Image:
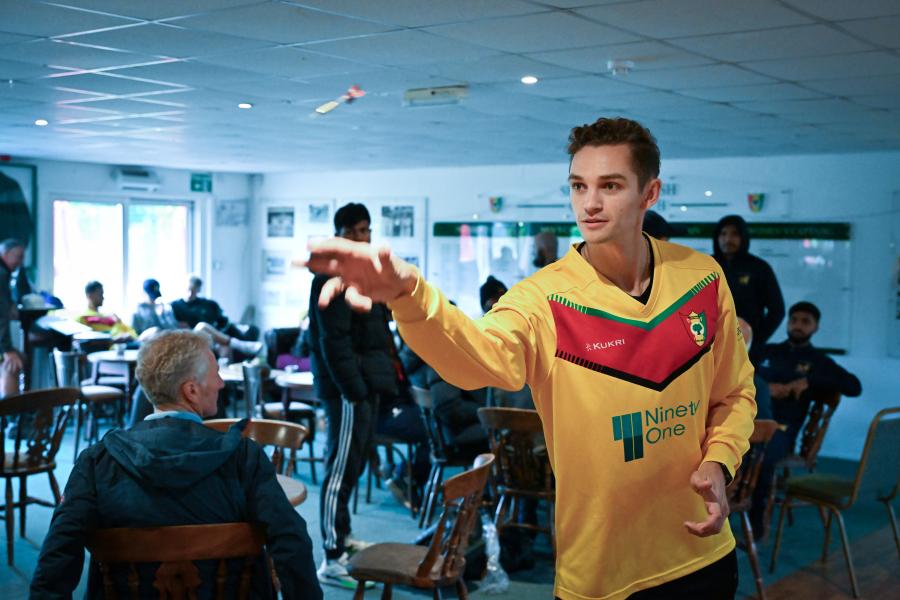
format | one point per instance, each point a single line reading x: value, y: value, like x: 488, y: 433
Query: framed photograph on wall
x: 280, y: 222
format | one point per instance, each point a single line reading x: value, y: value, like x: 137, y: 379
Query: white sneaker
x: 353, y: 545
x: 251, y: 348
x: 334, y: 572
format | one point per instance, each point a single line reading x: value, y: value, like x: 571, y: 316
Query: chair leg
x: 23, y: 503
x: 436, y: 594
x: 311, y: 423
x: 78, y: 424
x: 54, y: 487
x: 846, y: 544
x: 360, y: 590
x: 754, y: 557
x: 9, y: 521
x: 386, y: 591
x: 461, y: 592
x: 426, y: 495
x: 435, y: 494
x: 893, y: 518
x: 778, y: 533
x: 826, y: 522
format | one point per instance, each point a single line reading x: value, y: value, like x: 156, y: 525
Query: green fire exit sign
x: 201, y: 182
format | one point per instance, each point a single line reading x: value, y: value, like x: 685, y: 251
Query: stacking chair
x: 285, y: 437
x: 740, y: 492
x: 877, y: 477
x: 254, y: 393
x: 175, y: 549
x: 42, y: 417
x: 522, y: 469
x: 68, y: 374
x: 440, y: 456
x: 441, y: 564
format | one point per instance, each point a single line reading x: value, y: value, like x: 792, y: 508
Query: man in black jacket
x: 757, y: 296
x: 172, y: 470
x: 795, y: 372
x: 12, y: 253
x: 352, y: 365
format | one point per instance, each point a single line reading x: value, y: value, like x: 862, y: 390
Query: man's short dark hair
x: 611, y: 132
x: 349, y: 215
x: 91, y: 287
x: 492, y: 288
x: 10, y: 244
x: 150, y: 284
x: 807, y: 307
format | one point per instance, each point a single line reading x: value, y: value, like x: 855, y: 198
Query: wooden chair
x: 176, y: 548
x: 522, y: 469
x: 442, y: 563
x: 41, y: 422
x: 877, y: 477
x: 288, y: 410
x: 740, y: 492
x: 68, y: 374
x: 440, y: 456
x: 285, y: 437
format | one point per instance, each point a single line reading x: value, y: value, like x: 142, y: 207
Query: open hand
x: 709, y: 482
x: 367, y: 275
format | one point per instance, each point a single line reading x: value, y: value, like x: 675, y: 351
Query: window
x: 120, y: 244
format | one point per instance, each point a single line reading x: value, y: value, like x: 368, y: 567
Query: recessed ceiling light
x: 707, y: 193
x: 529, y: 80
x: 42, y: 122
x: 245, y: 105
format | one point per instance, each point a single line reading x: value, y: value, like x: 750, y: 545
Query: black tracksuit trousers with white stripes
x: 350, y: 429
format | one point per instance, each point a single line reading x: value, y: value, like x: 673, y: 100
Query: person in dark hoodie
x: 757, y: 296
x: 172, y: 470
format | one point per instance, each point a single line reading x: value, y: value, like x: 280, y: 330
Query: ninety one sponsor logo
x: 629, y: 428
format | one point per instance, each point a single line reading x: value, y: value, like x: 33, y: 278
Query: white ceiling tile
x: 572, y: 87
x: 882, y: 32
x: 495, y: 69
x: 793, y: 107
x: 13, y: 69
x: 12, y: 38
x: 680, y: 18
x: 100, y: 83
x: 66, y: 54
x: 188, y: 73
x: 580, y: 3
x: 696, y: 77
x: 744, y: 93
x: 155, y: 9
x: 415, y: 13
x: 283, y: 62
x: 838, y: 10
x: 891, y: 101
x: 168, y: 40
x: 282, y: 23
x: 375, y: 80
x: 828, y: 67
x: 788, y: 42
x: 534, y: 33
x: 32, y: 18
x: 402, y: 48
x: 858, y: 86
x: 646, y: 56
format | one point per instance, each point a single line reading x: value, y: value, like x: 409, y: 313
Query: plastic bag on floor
x: 495, y: 580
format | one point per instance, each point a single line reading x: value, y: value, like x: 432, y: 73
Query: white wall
x: 852, y: 188
x: 219, y: 252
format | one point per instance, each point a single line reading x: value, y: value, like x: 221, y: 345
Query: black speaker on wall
x: 15, y: 218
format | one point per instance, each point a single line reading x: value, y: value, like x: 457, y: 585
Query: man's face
x: 729, y: 240
x: 194, y: 287
x: 14, y: 257
x: 208, y: 390
x: 801, y: 327
x: 153, y: 293
x: 607, y: 199
x: 361, y: 232
x: 96, y: 297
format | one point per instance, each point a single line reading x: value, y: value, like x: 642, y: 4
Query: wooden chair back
x: 516, y: 437
x: 462, y: 498
x: 879, y: 468
x: 740, y: 492
x: 177, y: 577
x: 437, y: 444
x: 37, y: 439
x: 286, y: 439
x: 821, y: 410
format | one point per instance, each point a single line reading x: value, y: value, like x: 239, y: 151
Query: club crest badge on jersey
x: 696, y: 326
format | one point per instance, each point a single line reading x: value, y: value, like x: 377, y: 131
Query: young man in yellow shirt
x: 632, y: 352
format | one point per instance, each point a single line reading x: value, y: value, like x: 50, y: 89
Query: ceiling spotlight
x: 245, y: 105
x: 619, y: 68
x: 707, y: 193
x: 42, y: 122
x: 529, y: 80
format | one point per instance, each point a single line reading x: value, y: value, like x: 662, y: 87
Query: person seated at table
x: 172, y: 470
x: 153, y: 315
x: 194, y: 309
x: 101, y: 322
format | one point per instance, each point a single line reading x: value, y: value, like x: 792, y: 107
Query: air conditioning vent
x: 448, y: 94
x: 136, y: 179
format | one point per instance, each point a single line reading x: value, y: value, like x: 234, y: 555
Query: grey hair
x: 10, y: 244
x: 169, y: 359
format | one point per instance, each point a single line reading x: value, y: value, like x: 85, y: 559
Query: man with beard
x: 796, y: 372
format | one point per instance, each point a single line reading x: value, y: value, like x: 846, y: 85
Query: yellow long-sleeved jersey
x: 633, y: 398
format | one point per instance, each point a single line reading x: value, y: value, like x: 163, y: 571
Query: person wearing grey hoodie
x: 172, y: 470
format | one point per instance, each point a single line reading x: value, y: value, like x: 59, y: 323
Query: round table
x: 127, y: 358
x: 302, y: 382
x: 293, y: 489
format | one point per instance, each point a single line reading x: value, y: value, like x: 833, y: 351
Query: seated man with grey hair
x: 172, y: 470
